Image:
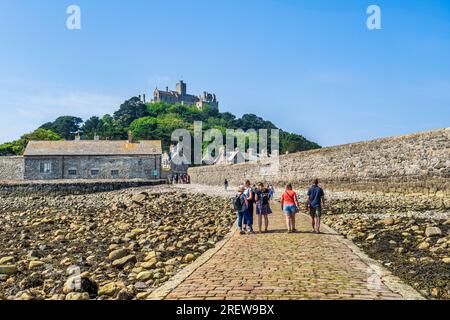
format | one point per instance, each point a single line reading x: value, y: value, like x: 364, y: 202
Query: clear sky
x: 311, y: 67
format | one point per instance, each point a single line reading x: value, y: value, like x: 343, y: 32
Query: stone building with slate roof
x: 92, y: 159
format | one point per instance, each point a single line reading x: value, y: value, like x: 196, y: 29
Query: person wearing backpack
x: 262, y: 207
x: 241, y: 206
x: 289, y: 205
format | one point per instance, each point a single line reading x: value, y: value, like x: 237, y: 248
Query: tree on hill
x: 91, y: 127
x: 144, y: 128
x: 290, y: 142
x: 66, y: 126
x: 129, y: 111
x: 18, y: 147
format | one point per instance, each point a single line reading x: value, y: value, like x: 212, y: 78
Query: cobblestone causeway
x: 278, y: 265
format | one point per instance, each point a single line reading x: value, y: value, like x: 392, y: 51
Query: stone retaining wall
x: 77, y: 187
x: 11, y: 168
x: 411, y: 164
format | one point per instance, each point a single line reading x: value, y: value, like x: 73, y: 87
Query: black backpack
x: 264, y: 198
x: 238, y: 203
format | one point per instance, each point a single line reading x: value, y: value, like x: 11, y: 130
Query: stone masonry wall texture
x: 69, y: 187
x: 11, y: 168
x: 416, y: 163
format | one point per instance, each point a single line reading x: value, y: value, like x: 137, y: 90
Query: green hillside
x: 153, y: 122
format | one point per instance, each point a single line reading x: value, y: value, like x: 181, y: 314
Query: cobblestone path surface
x: 278, y: 265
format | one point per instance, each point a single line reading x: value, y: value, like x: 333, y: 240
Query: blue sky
x: 311, y: 67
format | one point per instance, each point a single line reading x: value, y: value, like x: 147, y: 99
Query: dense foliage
x: 17, y: 147
x: 153, y: 122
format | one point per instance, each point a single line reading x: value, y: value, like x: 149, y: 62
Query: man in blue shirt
x: 316, y: 202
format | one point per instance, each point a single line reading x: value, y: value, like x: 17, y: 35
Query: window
x: 115, y: 173
x: 72, y: 172
x: 95, y: 172
x: 45, y: 167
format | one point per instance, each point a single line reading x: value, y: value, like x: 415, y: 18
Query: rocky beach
x: 111, y: 245
x: 412, y: 242
x: 124, y: 244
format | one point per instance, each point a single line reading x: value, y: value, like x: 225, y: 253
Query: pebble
x: 35, y: 264
x: 8, y: 269
x: 6, y: 260
x: 433, y: 232
x: 77, y: 296
x: 109, y: 289
x: 120, y: 263
x: 118, y: 254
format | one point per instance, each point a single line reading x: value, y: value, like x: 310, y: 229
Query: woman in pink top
x: 289, y: 205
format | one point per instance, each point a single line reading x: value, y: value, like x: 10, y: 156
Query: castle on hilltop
x: 180, y: 95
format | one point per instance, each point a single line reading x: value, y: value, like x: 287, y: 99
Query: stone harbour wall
x: 69, y: 187
x: 11, y: 168
x: 410, y: 164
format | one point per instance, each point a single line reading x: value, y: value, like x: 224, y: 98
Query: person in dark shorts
x: 315, y: 202
x: 262, y: 206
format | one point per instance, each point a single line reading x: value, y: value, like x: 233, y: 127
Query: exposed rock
x: 140, y: 197
x: 423, y: 245
x: 120, y: 263
x: 433, y: 231
x: 144, y: 276
x: 8, y: 269
x: 388, y: 221
x: 57, y: 246
x: 109, y: 289
x: 151, y: 264
x: 406, y: 248
x: 35, y: 264
x: 33, y: 281
x: 118, y: 254
x: 77, y: 296
x: 125, y: 294
x: 6, y: 260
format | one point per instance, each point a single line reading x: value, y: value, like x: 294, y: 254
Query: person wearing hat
x: 241, y: 206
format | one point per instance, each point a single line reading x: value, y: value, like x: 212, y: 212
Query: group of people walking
x: 179, y: 179
x: 260, y: 196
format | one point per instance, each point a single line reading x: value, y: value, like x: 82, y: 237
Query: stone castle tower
x: 180, y: 95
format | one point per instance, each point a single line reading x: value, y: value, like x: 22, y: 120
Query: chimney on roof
x: 77, y: 137
x: 130, y: 137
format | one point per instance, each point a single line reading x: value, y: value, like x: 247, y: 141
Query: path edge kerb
x: 394, y: 283
x: 163, y: 291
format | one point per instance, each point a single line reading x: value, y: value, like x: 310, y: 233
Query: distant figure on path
x: 271, y: 191
x: 262, y: 207
x: 225, y: 184
x: 315, y: 202
x: 241, y: 206
x: 289, y: 205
